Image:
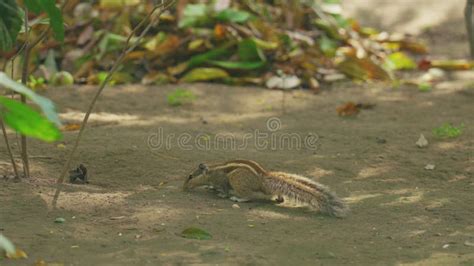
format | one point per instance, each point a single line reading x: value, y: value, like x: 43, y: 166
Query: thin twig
x: 24, y: 80
x: 127, y: 48
x: 17, y: 177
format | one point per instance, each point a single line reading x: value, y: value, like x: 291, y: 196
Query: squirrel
x: 247, y: 180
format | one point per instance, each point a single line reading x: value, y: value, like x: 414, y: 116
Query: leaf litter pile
x: 281, y: 45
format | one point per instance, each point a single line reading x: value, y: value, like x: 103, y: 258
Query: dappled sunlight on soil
x: 353, y: 199
x: 373, y: 172
x: 80, y: 201
x: 133, y: 210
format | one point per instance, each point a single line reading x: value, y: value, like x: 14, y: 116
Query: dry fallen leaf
x: 284, y: 82
x: 219, y: 31
x: 10, y: 251
x: 351, y: 108
x: 363, y: 69
x: 422, y: 142
x: 72, y: 127
x: 347, y: 109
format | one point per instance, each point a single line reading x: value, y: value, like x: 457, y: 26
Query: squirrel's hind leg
x: 246, y: 186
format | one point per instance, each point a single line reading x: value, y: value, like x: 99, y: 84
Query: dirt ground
x: 133, y: 209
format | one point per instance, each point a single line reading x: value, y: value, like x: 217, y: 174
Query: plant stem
x: 24, y: 79
x: 127, y: 48
x: 17, y: 177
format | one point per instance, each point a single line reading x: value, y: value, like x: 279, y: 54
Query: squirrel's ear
x: 202, y: 166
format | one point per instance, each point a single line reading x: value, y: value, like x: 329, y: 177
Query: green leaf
x: 118, y: 4
x: 330, y: 30
x: 109, y: 43
x: 425, y: 86
x: 196, y: 233
x: 44, y: 103
x: 249, y: 51
x: 180, y: 96
x: 328, y: 46
x: 194, y: 15
x: 210, y: 55
x: 399, y: 61
x: 54, y: 15
x: 34, y: 6
x: 56, y: 19
x: 233, y: 15
x: 238, y: 65
x: 205, y: 74
x: 27, y: 121
x: 448, y: 131
x: 10, y: 24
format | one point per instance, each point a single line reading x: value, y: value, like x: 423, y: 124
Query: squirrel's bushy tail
x: 302, y: 190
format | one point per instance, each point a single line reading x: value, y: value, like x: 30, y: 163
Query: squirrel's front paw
x: 234, y: 198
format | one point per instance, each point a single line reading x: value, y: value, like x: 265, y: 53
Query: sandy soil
x: 133, y: 210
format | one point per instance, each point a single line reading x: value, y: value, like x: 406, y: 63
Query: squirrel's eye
x: 190, y: 176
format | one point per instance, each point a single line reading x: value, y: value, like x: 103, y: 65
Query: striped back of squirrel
x: 230, y: 166
x: 294, y: 188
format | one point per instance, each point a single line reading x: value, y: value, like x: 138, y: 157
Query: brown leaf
x: 134, y: 55
x: 453, y: 64
x: 351, y: 108
x: 219, y: 31
x: 413, y: 46
x: 363, y: 69
x: 347, y: 109
x: 85, y: 35
x: 72, y: 127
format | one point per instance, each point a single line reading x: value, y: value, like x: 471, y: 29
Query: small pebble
x: 430, y: 166
x: 235, y: 206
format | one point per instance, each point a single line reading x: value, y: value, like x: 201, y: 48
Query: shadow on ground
x: 133, y: 209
